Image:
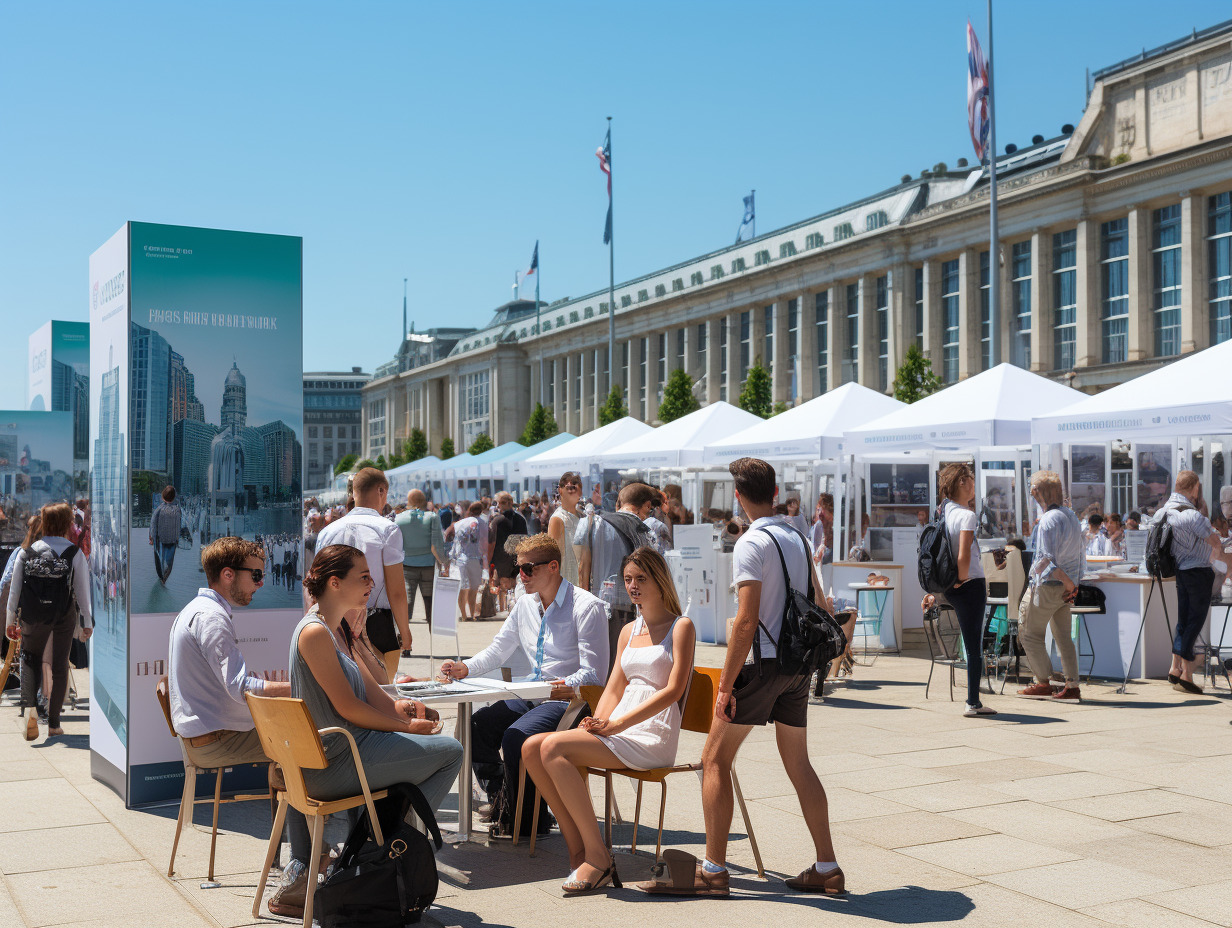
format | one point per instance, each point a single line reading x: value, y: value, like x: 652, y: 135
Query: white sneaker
x: 973, y: 711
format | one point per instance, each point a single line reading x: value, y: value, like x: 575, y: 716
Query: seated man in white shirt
x: 566, y: 641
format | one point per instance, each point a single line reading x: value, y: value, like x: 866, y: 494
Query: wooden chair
x: 293, y: 741
x: 585, y: 702
x: 696, y: 716
x: 188, y: 798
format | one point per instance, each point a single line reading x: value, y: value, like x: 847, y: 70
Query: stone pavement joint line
x: 1115, y: 812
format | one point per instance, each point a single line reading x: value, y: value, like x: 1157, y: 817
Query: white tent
x: 809, y: 432
x: 1190, y: 396
x: 679, y: 443
x: 992, y: 409
x: 577, y: 454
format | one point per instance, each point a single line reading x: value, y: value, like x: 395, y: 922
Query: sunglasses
x: 257, y: 573
x: 571, y: 486
x: 528, y: 569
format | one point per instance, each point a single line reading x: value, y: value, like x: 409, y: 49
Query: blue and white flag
x: 747, y: 225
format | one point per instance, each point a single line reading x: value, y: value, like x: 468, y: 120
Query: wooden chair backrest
x: 592, y: 694
x: 287, y: 733
x: 699, y: 703
x: 163, y: 691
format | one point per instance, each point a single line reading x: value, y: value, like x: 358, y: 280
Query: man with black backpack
x: 50, y: 593
x: 758, y: 692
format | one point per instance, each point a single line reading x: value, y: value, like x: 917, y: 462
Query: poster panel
x: 59, y: 381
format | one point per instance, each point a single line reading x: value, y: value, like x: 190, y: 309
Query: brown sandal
x: 686, y: 877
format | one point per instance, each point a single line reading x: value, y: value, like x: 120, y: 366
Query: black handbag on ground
x: 389, y: 886
x: 809, y: 636
x: 381, y: 630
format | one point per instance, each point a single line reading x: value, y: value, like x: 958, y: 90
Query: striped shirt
x: 1191, y: 531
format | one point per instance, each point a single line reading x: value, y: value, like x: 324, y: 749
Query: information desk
x: 1114, y: 636
x: 847, y: 573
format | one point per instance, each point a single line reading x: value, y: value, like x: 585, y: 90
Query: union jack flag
x: 977, y: 94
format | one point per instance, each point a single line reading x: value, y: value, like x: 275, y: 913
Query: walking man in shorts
x: 755, y: 693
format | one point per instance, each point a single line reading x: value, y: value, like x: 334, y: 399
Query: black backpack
x: 46, y: 586
x: 938, y: 569
x: 1160, y: 561
x: 809, y: 637
x: 386, y: 886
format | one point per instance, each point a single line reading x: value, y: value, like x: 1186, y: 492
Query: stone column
x: 836, y: 328
x: 587, y: 415
x: 867, y: 346
x: 902, y: 316
x: 654, y: 386
x: 733, y: 357
x: 1043, y: 351
x: 968, y: 313
x: 806, y: 319
x: 1007, y: 318
x: 757, y: 336
x: 1141, y: 299
x: 632, y: 397
x: 934, y: 318
x: 714, y: 367
x: 1195, y: 307
x: 1088, y: 348
x: 780, y: 380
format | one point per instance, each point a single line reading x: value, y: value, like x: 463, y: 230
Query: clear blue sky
x: 437, y: 142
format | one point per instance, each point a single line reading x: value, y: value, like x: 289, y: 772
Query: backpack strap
x: 623, y: 531
x: 786, y: 594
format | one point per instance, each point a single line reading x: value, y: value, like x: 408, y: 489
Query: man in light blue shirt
x: 424, y: 552
x: 567, y: 643
x: 1059, y: 559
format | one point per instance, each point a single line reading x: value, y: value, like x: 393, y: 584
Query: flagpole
x: 611, y: 279
x: 538, y: 274
x: 994, y: 239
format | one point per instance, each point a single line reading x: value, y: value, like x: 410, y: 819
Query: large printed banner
x: 198, y: 338
x: 59, y: 381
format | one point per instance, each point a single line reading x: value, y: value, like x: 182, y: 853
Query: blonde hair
x: 1048, y: 483
x: 653, y: 565
x: 539, y: 545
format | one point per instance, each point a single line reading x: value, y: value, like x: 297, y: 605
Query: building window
x: 1020, y: 288
x: 660, y: 290
x: 1065, y: 299
x: 677, y: 284
x: 1166, y: 263
x: 793, y: 346
x: 695, y: 279
x: 883, y: 332
x: 985, y: 315
x: 701, y: 349
x: 919, y: 308
x: 643, y: 296
x: 762, y: 257
x: 643, y: 365
x: 661, y: 355
x: 738, y: 265
x: 814, y: 240
x: 624, y: 369
x: 875, y: 220
x: 312, y: 431
x: 577, y: 384
x: 767, y: 318
x: 843, y: 230
x: 474, y: 406
x: 1114, y: 277
x: 787, y: 249
x: 716, y: 271
x: 550, y: 387
x: 949, y: 315
x: 746, y: 324
x: 723, y: 368
x: 680, y: 360
x: 327, y: 431
x: 1219, y: 235
x: 376, y: 428
x: 821, y: 319
x: 851, y: 357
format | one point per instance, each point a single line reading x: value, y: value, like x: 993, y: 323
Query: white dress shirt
x: 377, y: 537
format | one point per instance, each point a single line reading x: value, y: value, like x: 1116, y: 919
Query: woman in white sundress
x: 636, y: 724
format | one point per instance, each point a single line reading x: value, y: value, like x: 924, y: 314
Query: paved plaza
x: 1114, y: 812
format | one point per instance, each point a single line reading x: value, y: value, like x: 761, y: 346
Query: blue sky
x: 437, y: 142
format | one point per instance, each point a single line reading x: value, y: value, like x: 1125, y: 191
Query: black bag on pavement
x: 46, y: 586
x: 938, y: 568
x: 809, y: 637
x: 1160, y: 561
x: 389, y: 886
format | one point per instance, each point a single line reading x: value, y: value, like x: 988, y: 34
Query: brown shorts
x: 767, y: 696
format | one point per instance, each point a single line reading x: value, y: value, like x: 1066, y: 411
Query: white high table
x: 485, y: 690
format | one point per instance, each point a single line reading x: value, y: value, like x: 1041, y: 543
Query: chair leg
x: 318, y: 826
x: 748, y: 825
x: 607, y: 810
x: 517, y: 808
x: 214, y: 827
x: 187, y: 798
x: 534, y: 816
x: 931, y: 667
x: 637, y: 817
x: 271, y: 852
x: 662, y: 813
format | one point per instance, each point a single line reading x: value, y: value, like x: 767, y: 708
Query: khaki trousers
x: 236, y: 747
x: 1043, y: 606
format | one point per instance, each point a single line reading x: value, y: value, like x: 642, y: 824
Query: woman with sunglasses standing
x: 563, y: 524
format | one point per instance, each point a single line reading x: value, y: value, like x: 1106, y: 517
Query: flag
x: 977, y: 94
x: 746, y: 224
x: 534, y: 262
x: 604, y: 154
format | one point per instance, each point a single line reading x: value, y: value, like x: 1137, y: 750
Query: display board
x: 197, y: 345
x: 59, y: 381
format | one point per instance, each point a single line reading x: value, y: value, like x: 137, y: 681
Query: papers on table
x: 426, y: 688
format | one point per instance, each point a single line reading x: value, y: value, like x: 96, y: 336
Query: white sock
x: 824, y: 865
x: 712, y: 868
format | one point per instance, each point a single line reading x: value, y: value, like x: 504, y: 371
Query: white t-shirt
x: 959, y: 519
x: 377, y: 537
x: 754, y: 558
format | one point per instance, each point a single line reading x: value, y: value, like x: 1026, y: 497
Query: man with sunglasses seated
x: 562, y: 629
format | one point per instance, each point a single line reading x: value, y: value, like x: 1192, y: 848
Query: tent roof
x: 992, y: 408
x: 577, y: 453
x: 458, y: 460
x: 809, y: 431
x: 495, y: 454
x: 413, y: 465
x: 679, y: 443
x: 1190, y: 396
x: 539, y: 447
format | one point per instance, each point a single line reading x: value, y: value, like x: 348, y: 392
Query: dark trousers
x: 498, y: 732
x: 620, y: 617
x: 34, y: 638
x: 969, y: 601
x: 419, y: 578
x: 1193, y: 600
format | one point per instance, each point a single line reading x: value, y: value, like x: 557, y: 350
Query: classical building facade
x: 1115, y: 255
x: 332, y: 422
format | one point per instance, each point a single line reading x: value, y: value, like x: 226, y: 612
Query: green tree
x: 344, y: 465
x: 416, y: 446
x: 779, y: 407
x: 614, y: 407
x: 540, y: 425
x: 757, y: 396
x: 915, y: 379
x: 396, y: 460
x: 447, y: 448
x: 366, y: 462
x: 381, y: 463
x: 482, y: 443
x: 678, y: 398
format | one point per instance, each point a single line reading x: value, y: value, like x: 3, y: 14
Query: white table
x: 485, y: 690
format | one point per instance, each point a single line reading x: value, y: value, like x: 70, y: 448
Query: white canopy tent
x: 578, y: 453
x: 679, y: 443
